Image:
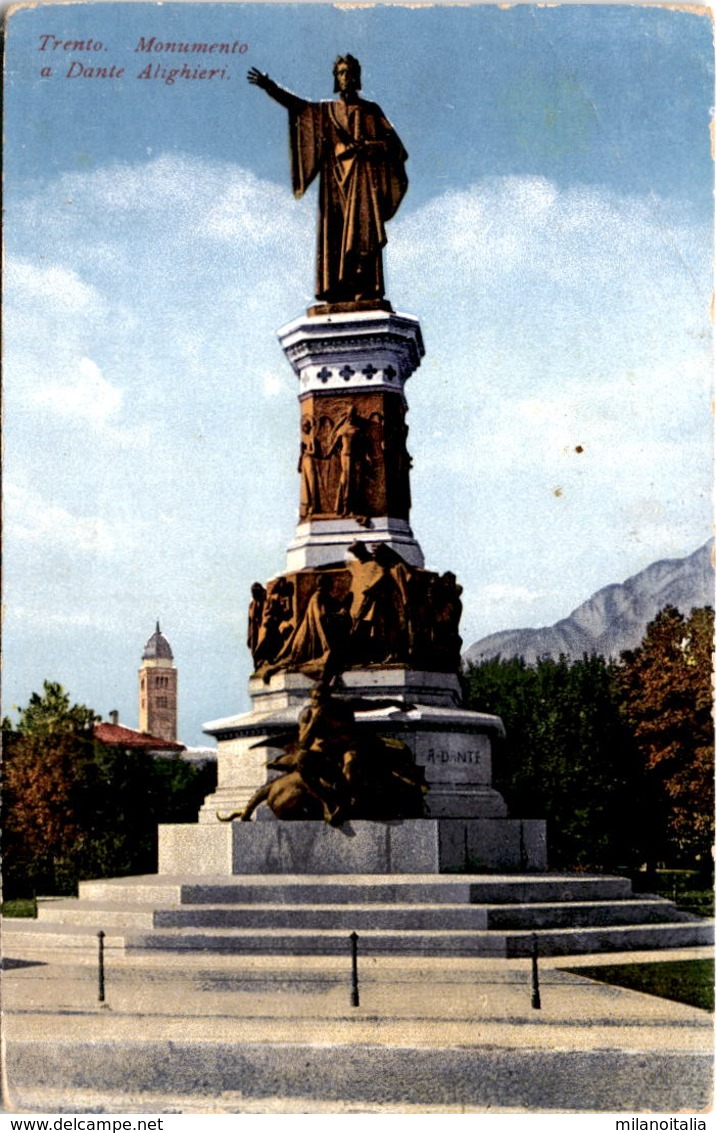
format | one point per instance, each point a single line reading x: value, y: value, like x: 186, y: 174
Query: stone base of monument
x: 450, y: 743
x: 466, y: 827
x: 408, y: 914
x: 414, y: 846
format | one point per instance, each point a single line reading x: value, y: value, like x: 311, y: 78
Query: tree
x: 666, y: 688
x: 74, y: 808
x: 47, y: 779
x: 567, y: 756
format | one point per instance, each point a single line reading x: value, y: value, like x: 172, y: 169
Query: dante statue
x: 361, y: 162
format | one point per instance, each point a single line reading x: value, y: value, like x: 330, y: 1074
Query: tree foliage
x: 666, y: 691
x: 567, y: 755
x: 618, y: 757
x: 75, y: 809
x: 47, y: 779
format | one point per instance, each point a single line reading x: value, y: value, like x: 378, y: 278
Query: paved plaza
x: 241, y: 1034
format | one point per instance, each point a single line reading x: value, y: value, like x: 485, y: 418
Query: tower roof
x: 157, y: 648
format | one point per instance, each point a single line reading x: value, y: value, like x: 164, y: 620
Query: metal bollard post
x: 355, y: 998
x: 536, y: 1001
x: 100, y: 971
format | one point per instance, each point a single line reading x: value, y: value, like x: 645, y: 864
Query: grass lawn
x: 20, y: 907
x: 686, y: 981
x: 698, y: 901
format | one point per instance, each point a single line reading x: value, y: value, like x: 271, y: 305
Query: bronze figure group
x: 377, y: 610
x: 353, y: 459
x: 333, y: 771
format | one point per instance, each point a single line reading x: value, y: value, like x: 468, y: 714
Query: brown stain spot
x: 579, y: 448
x: 557, y: 492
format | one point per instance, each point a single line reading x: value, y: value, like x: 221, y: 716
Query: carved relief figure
x: 256, y: 610
x: 326, y: 741
x: 348, y: 442
x: 381, y: 605
x: 447, y: 612
x: 402, y: 575
x: 310, y: 641
x: 352, y: 147
x: 403, y: 464
x: 308, y: 468
x: 369, y: 587
x: 276, y: 622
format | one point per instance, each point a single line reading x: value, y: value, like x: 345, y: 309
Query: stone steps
x: 22, y: 934
x: 429, y: 942
x: 360, y: 917
x: 490, y: 889
x: 468, y: 915
x: 572, y: 914
x: 307, y: 942
x: 97, y: 914
x: 416, y: 917
x: 612, y: 938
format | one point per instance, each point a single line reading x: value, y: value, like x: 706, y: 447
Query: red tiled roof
x: 115, y: 735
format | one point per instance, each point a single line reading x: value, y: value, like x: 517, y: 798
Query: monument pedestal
x: 467, y: 828
x: 356, y: 598
x: 413, y: 846
x: 361, y: 359
x: 450, y: 743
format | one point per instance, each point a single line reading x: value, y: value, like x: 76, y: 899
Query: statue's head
x: 346, y: 73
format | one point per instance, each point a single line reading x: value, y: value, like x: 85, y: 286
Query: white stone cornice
x: 347, y: 352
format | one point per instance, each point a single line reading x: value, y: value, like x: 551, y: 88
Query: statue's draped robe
x: 358, y: 192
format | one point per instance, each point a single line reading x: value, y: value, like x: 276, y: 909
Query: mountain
x: 614, y: 618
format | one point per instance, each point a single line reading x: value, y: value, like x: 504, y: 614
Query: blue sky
x: 555, y: 243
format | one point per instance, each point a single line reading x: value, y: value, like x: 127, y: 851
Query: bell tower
x: 158, y: 688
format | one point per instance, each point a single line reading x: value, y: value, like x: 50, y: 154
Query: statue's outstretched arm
x: 274, y: 91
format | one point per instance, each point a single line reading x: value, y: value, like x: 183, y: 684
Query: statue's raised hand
x: 258, y: 78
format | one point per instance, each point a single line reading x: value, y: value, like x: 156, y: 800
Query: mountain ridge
x: 614, y: 618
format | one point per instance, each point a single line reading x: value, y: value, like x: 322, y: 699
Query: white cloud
x: 247, y: 210
x: 56, y: 286
x: 121, y: 188
x: 45, y: 619
x: 535, y: 288
x: 32, y: 519
x: 274, y: 384
x: 88, y: 397
x: 512, y: 595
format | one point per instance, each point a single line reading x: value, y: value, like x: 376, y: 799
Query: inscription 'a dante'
x: 442, y: 755
x: 352, y: 147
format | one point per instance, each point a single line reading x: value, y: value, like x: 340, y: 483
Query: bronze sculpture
x: 376, y: 610
x: 330, y: 770
x: 352, y: 147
